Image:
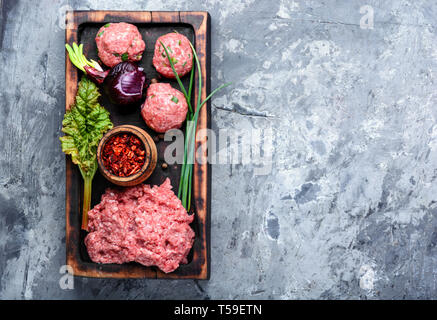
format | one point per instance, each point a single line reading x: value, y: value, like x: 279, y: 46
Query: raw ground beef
x: 165, y: 108
x: 117, y: 42
x: 145, y: 224
x: 179, y: 49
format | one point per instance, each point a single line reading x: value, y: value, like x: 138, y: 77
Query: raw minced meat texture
x: 117, y: 42
x: 145, y: 224
x: 165, y: 108
x: 180, y: 51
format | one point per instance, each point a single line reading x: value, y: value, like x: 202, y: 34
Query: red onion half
x: 124, y: 84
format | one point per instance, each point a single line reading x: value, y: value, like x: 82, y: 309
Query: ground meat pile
x: 165, y: 108
x: 178, y: 46
x: 117, y: 42
x: 145, y: 224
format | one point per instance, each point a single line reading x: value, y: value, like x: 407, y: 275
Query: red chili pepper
x: 123, y: 155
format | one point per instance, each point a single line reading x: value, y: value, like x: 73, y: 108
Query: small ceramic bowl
x: 150, y: 156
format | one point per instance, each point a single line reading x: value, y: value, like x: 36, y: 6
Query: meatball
x: 117, y: 42
x: 178, y: 46
x: 165, y: 108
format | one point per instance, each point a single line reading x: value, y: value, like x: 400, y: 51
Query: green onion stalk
x: 90, y: 67
x: 78, y: 58
x: 185, y: 183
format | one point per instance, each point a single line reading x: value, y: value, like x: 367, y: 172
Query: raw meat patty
x: 117, y: 42
x: 165, y: 108
x: 180, y: 51
x: 145, y: 224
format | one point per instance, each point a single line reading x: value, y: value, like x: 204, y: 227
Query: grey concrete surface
x: 349, y: 208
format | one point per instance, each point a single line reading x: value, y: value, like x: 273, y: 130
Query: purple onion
x: 96, y: 75
x: 124, y: 84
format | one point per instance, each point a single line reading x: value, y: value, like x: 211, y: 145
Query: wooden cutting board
x: 82, y: 27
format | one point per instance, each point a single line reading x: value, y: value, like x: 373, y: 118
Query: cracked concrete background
x: 349, y: 209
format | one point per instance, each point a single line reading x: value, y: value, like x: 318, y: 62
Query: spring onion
x: 185, y: 183
x: 89, y: 67
x: 78, y: 58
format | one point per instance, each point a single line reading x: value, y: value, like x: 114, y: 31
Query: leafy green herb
x: 84, y: 125
x: 100, y: 33
x: 184, y: 64
x: 107, y: 25
x: 174, y: 60
x: 185, y: 184
x: 174, y: 99
x: 115, y: 54
x: 179, y: 42
x: 124, y: 56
